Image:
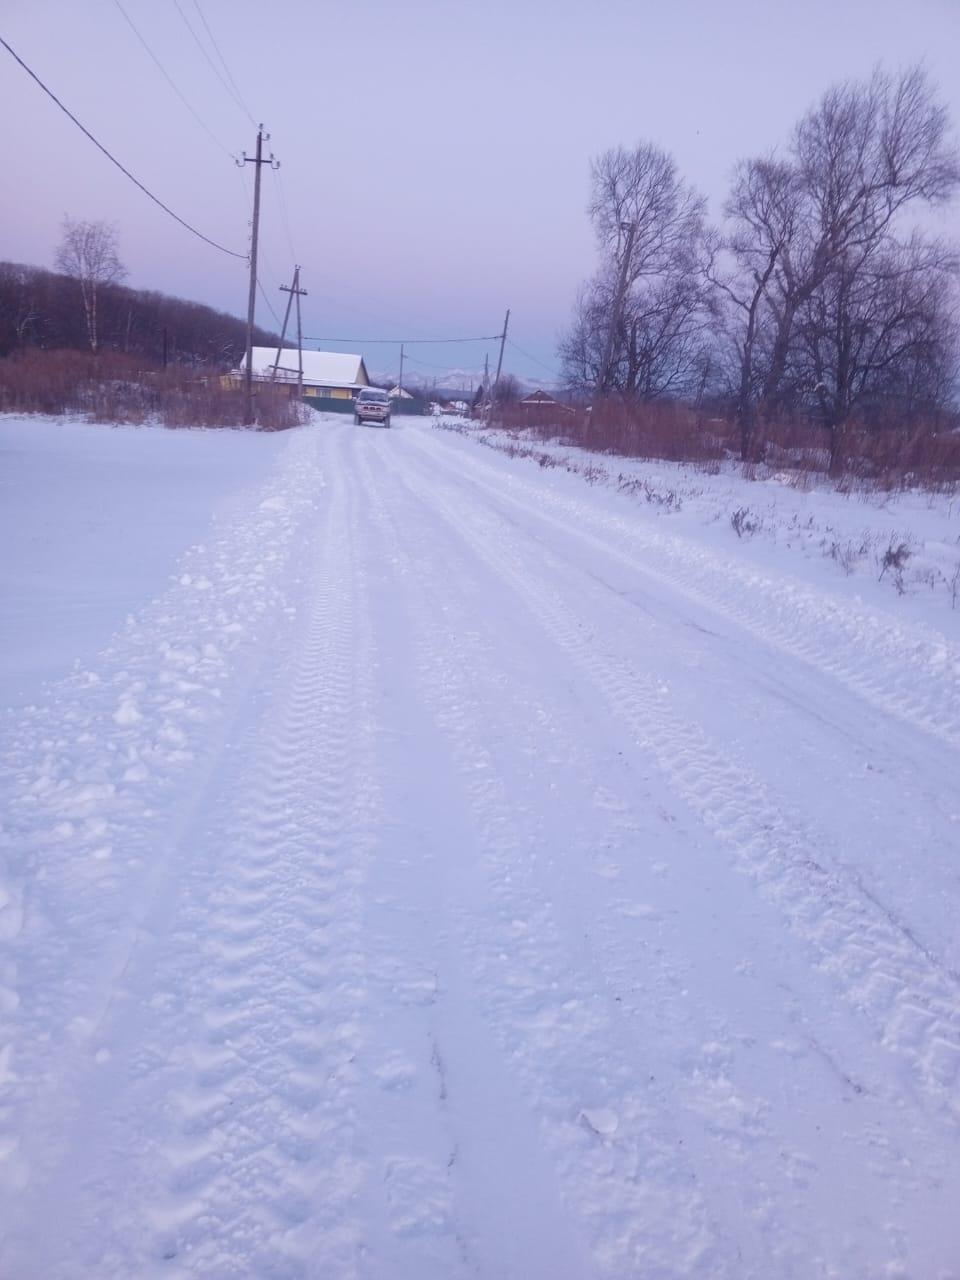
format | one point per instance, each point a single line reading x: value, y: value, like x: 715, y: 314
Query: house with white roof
x: 327, y: 375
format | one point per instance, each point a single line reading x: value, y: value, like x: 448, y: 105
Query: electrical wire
x: 170, y: 81
x: 282, y: 200
x: 223, y: 62
x: 443, y: 368
x: 406, y: 342
x: 533, y: 358
x: 234, y: 98
x: 263, y: 295
x: 113, y: 160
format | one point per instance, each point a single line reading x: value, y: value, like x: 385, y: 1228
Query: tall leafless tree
x: 88, y: 252
x: 880, y: 329
x: 764, y: 212
x: 637, y: 320
x: 865, y: 154
x: 642, y: 188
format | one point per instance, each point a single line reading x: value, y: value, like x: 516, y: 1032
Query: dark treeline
x: 43, y: 309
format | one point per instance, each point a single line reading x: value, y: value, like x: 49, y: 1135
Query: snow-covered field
x: 422, y: 862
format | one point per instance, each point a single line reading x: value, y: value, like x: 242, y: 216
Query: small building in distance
x: 543, y: 400
x: 331, y: 379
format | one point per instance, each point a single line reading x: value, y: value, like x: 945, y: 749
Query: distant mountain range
x: 456, y: 384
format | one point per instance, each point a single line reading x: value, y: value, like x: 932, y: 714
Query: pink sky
x: 435, y: 155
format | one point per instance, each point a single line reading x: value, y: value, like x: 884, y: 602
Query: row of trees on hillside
x: 820, y: 293
x: 84, y: 306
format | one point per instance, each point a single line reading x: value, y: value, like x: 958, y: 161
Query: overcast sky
x: 434, y: 153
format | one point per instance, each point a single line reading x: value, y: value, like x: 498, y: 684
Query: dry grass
x: 928, y: 456
x: 125, y: 389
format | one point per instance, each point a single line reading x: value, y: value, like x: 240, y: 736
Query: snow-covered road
x: 456, y: 872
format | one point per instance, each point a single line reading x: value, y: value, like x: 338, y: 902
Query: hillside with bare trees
x: 47, y: 310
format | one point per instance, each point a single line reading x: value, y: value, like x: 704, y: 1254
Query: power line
x: 163, y: 71
x: 223, y: 62
x: 533, y: 358
x: 263, y: 295
x: 395, y: 342
x: 126, y: 172
x: 444, y: 368
x: 234, y: 97
x: 283, y: 212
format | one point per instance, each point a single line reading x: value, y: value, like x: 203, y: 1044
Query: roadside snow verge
x: 907, y: 667
x: 85, y: 773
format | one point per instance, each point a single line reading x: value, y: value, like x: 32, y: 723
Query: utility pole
x: 631, y: 230
x: 257, y: 161
x: 299, y: 293
x: 496, y: 381
x: 400, y: 379
x: 283, y: 331
x: 294, y: 291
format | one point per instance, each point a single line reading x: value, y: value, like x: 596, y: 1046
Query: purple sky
x: 435, y: 154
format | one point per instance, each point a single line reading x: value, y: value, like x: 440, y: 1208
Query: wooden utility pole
x: 286, y: 319
x: 295, y: 292
x: 257, y: 161
x: 496, y: 381
x: 631, y: 230
x: 400, y: 379
x: 298, y: 294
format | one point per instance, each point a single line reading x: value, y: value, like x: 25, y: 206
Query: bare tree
x: 19, y: 311
x: 642, y: 189
x: 660, y: 340
x: 508, y: 390
x: 635, y: 318
x: 88, y: 252
x: 881, y: 328
x: 862, y: 156
x: 582, y: 347
x: 764, y: 211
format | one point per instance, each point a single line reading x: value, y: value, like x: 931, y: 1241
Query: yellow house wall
x: 329, y: 393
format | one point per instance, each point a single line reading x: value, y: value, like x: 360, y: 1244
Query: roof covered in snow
x: 320, y: 368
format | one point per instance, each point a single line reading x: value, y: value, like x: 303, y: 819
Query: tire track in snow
x: 638, y: 1195
x: 265, y: 1175
x: 98, y: 778
x: 727, y: 1113
x: 874, y: 653
x: 878, y: 966
x: 470, y: 1188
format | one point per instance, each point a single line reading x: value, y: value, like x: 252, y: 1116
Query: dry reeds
x: 117, y: 388
x: 927, y: 455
